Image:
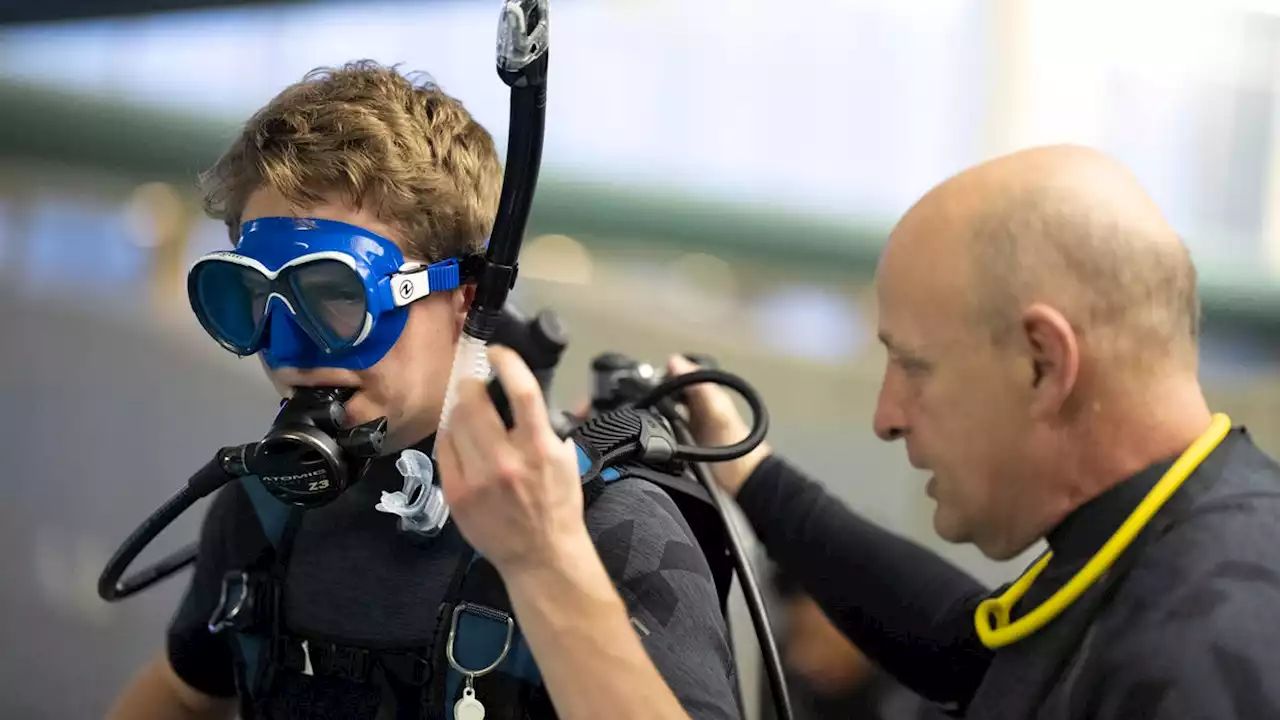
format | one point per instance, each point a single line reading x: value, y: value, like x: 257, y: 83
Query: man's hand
x: 517, y: 498
x: 715, y: 422
x: 515, y: 495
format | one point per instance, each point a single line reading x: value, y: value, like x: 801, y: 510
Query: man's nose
x: 888, y: 420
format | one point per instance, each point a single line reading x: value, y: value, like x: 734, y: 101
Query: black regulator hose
x: 689, y: 451
x: 111, y: 586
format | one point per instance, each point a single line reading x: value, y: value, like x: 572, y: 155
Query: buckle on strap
x: 237, y: 602
x: 408, y: 668
x: 311, y: 657
x: 347, y: 662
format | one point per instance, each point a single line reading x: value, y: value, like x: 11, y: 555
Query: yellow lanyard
x: 1001, y: 632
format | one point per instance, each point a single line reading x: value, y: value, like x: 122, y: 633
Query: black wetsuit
x: 1187, y: 625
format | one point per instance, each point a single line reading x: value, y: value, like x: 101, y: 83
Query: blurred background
x: 719, y: 176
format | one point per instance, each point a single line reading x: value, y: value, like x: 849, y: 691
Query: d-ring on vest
x: 483, y: 637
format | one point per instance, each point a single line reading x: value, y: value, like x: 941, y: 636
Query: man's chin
x: 949, y: 527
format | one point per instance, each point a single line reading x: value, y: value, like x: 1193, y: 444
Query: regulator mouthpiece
x: 308, y: 457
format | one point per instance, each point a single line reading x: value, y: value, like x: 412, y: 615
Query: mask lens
x: 232, y: 299
x: 333, y: 298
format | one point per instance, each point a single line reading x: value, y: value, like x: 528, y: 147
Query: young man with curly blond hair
x: 362, y: 157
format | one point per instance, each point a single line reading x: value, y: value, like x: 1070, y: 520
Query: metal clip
x: 235, y: 603
x: 488, y: 613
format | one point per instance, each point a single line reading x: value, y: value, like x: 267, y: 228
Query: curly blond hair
x: 376, y: 138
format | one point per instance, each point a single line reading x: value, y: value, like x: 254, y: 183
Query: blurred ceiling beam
x: 47, y: 126
x: 25, y: 12
x: 76, y: 130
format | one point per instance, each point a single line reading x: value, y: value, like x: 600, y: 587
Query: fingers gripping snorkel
x: 522, y: 65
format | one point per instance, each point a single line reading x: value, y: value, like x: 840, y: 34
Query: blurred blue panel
x: 810, y: 323
x: 82, y: 247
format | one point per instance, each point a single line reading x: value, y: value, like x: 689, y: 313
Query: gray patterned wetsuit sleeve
x: 666, y: 583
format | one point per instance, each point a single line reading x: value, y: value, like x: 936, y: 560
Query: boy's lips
x: 295, y: 387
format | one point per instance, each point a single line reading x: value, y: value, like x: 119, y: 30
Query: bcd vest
x: 474, y: 618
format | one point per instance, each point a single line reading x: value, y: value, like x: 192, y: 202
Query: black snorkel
x: 308, y: 457
x: 522, y: 65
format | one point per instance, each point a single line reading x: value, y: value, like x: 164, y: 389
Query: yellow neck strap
x: 992, y: 618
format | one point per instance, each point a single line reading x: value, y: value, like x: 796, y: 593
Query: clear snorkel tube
x: 522, y: 65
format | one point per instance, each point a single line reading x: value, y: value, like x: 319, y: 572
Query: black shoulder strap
x: 254, y: 615
x: 606, y: 439
x: 701, y: 520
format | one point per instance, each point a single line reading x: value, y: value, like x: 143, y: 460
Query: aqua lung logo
x: 406, y: 289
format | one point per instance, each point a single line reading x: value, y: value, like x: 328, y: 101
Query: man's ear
x: 462, y: 299
x: 1054, y: 353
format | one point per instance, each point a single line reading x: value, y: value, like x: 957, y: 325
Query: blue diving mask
x: 312, y: 293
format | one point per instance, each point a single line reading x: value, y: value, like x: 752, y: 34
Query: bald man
x: 1040, y: 318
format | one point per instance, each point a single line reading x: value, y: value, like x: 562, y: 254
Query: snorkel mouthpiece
x: 308, y: 458
x: 420, y: 504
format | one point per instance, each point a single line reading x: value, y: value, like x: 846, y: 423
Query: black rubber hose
x: 110, y: 585
x: 688, y: 451
x: 746, y: 575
